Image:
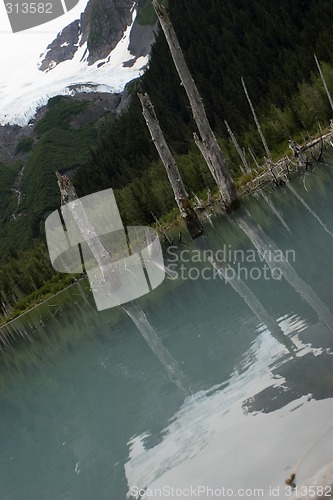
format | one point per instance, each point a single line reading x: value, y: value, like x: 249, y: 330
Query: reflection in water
x: 269, y: 202
x: 269, y: 251
x: 196, y: 424
x: 214, y: 427
x: 83, y: 401
x: 311, y: 370
x: 298, y: 196
x: 248, y: 296
x: 174, y: 371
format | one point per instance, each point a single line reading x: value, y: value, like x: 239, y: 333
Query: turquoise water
x: 88, y: 411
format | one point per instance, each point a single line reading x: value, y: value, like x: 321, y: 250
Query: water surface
x: 87, y: 410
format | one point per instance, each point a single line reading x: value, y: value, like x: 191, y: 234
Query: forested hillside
x: 270, y: 44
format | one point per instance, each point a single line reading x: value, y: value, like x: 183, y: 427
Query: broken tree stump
x: 182, y: 199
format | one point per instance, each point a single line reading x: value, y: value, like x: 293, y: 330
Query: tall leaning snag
x: 260, y: 132
x: 239, y: 150
x: 188, y: 214
x: 324, y: 82
x: 207, y: 142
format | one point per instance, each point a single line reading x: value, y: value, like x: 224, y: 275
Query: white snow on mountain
x: 23, y: 48
x: 24, y: 91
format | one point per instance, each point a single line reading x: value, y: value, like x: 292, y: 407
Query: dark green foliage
x: 7, y: 196
x: 33, y: 279
x: 270, y: 43
x: 16, y: 234
x: 24, y: 145
x: 146, y: 13
x: 60, y: 110
x: 109, y: 166
x: 57, y: 149
x: 308, y: 107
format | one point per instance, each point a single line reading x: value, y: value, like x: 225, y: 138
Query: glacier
x: 25, y: 91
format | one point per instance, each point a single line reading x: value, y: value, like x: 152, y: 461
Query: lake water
x: 89, y: 411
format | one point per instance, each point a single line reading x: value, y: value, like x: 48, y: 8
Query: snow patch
x: 25, y: 91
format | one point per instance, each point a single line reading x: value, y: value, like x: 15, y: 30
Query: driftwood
x: 278, y: 173
x: 182, y: 199
x: 207, y: 142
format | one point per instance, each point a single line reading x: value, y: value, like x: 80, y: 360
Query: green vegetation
x: 24, y: 145
x: 150, y: 192
x: 18, y: 280
x: 222, y: 41
x: 271, y: 44
x: 7, y: 196
x: 60, y: 111
x: 58, y: 147
x: 146, y: 13
x: 54, y: 285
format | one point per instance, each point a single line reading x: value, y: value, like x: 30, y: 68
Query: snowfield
x: 26, y: 90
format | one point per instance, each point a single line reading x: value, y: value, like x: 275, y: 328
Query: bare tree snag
x: 254, y: 158
x: 262, y: 137
x: 239, y: 150
x: 186, y: 211
x: 324, y: 82
x: 103, y: 258
x: 207, y: 142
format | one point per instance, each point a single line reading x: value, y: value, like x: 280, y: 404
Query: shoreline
x: 273, y: 172
x: 35, y: 306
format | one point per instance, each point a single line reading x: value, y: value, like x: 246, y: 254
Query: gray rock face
x: 107, y: 21
x: 141, y: 39
x: 63, y: 48
x: 10, y: 135
x: 102, y: 26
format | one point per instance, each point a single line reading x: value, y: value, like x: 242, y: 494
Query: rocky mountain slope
x: 89, y: 63
x: 100, y: 28
x: 100, y: 52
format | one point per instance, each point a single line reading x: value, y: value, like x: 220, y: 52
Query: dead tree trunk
x: 238, y: 148
x: 324, y: 82
x: 104, y: 258
x: 186, y: 211
x: 207, y: 142
x: 262, y: 137
x: 101, y: 254
x: 255, y: 159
